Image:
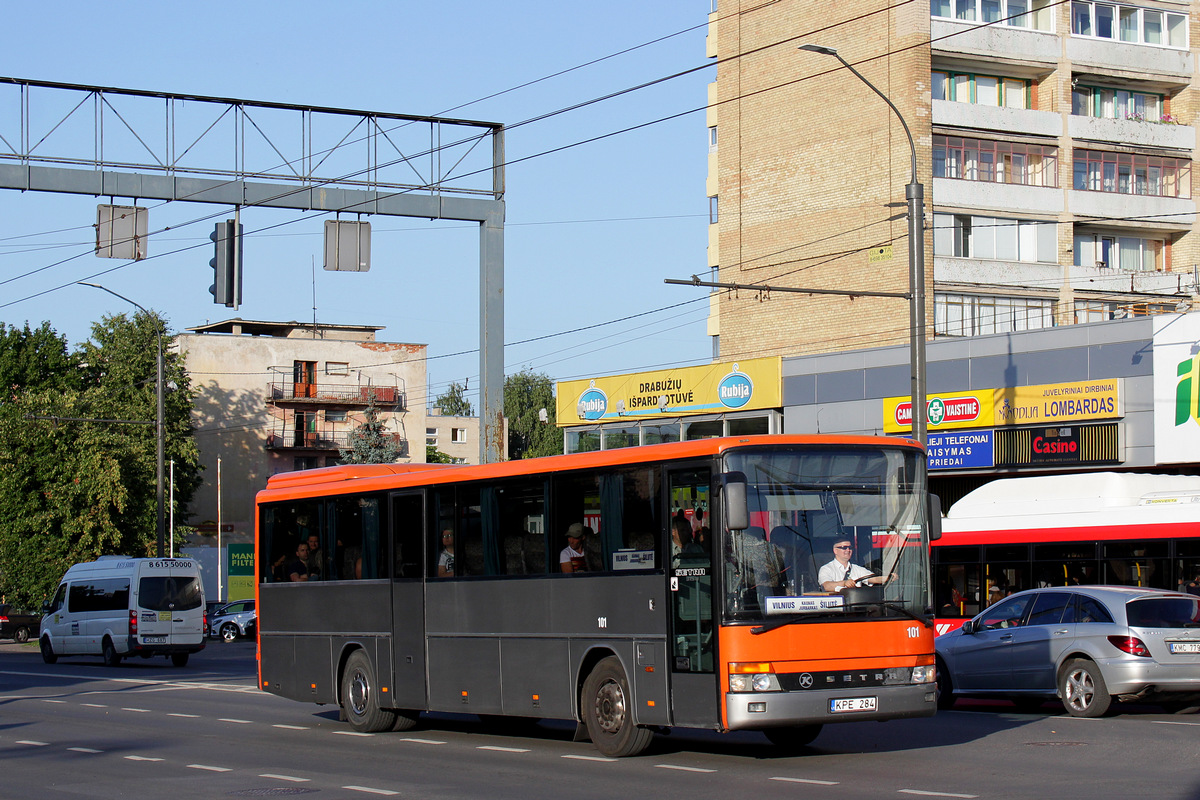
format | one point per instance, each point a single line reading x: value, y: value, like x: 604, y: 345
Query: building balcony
x: 1023, y: 121
x: 991, y: 42
x: 1131, y: 132
x: 1001, y: 197
x: 1134, y: 60
x: 1042, y: 278
x: 326, y: 439
x: 1171, y: 213
x: 283, y: 389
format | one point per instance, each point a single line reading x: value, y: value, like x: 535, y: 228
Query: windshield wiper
x: 921, y: 618
x: 790, y: 620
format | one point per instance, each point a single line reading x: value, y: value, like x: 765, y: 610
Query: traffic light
x: 227, y: 264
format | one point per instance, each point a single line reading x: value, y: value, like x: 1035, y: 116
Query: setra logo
x: 1187, y: 391
x: 735, y: 389
x: 593, y: 403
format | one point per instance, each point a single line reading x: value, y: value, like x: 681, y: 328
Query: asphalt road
x: 79, y: 729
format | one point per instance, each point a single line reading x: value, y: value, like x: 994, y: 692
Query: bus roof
x: 367, y: 477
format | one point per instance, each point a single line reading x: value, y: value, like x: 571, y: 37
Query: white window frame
x: 1035, y: 15
x: 1128, y: 24
x: 337, y: 368
x: 458, y: 435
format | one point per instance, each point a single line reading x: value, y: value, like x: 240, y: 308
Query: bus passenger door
x: 692, y: 631
x: 408, y: 601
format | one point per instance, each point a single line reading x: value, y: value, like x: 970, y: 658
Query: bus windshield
x: 835, y: 532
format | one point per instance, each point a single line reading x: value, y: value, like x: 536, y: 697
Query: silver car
x: 232, y: 620
x: 1086, y: 645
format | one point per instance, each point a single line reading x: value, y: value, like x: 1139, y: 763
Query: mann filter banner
x: 746, y: 385
x: 241, y: 572
x: 1043, y: 404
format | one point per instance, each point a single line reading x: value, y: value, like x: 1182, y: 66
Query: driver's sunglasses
x: 843, y: 547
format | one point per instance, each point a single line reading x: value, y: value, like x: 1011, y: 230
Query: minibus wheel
x: 109, y: 653
x: 48, y: 654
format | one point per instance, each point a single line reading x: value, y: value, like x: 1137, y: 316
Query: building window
x: 458, y: 435
x: 982, y: 90
x: 995, y: 162
x: 1014, y: 13
x: 1129, y: 24
x: 976, y: 315
x: 712, y: 210
x: 1126, y: 173
x: 431, y: 436
x: 997, y: 239
x: 1103, y: 103
x: 337, y: 368
x: 335, y: 416
x: 712, y: 139
x: 1124, y: 253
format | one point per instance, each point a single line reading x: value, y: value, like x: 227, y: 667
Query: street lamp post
x: 914, y: 192
x: 159, y: 428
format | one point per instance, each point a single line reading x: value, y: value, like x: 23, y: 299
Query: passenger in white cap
x: 572, y: 558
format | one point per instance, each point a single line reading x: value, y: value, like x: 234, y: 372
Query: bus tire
x: 360, y: 698
x: 405, y: 720
x: 945, y: 687
x: 48, y: 654
x: 608, y: 712
x: 1083, y: 690
x: 109, y: 653
x: 793, y: 738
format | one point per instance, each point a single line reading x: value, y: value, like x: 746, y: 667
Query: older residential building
x: 281, y: 396
x: 1055, y: 142
x: 457, y: 437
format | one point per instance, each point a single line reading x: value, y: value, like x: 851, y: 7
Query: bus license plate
x: 851, y: 704
x: 154, y: 640
x: 1185, y: 647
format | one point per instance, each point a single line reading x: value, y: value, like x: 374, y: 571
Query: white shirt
x: 835, y: 572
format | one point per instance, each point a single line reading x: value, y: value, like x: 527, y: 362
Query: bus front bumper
x: 755, y: 710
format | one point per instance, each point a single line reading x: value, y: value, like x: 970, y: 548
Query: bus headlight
x: 753, y: 678
x: 925, y: 674
x: 900, y: 676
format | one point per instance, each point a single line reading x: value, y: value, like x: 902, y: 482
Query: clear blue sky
x: 591, y: 231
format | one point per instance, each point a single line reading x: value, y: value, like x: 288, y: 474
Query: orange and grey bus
x: 630, y: 590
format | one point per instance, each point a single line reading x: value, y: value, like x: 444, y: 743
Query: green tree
x: 453, y: 402
x: 34, y: 359
x: 72, y: 485
x: 369, y: 442
x: 435, y: 456
x: 526, y: 393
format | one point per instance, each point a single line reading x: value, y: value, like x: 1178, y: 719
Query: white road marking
x: 185, y: 716
x: 683, y: 769
x: 84, y: 750
x: 93, y: 705
x: 291, y: 778
x: 806, y: 780
x: 936, y: 794
x: 1168, y: 722
x: 503, y: 749
x: 589, y: 758
x: 137, y: 710
x: 291, y: 727
x: 32, y: 743
x: 142, y: 758
x: 352, y: 733
x: 47, y: 700
x: 216, y: 687
x: 237, y: 721
x: 369, y: 790
x: 421, y: 741
x: 210, y: 769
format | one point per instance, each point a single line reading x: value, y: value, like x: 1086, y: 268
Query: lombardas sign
x: 730, y: 386
x: 1044, y: 404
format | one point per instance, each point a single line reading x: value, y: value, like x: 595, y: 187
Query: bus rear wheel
x: 360, y: 698
x: 608, y: 712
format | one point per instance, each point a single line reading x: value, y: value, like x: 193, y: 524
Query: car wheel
x: 109, y: 653
x: 21, y: 635
x: 360, y: 699
x: 608, y: 712
x: 790, y: 739
x: 179, y: 659
x: 945, y: 688
x: 1082, y: 689
x: 229, y: 631
x: 48, y: 654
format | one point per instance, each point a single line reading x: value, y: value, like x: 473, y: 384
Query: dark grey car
x: 232, y: 620
x: 1086, y: 645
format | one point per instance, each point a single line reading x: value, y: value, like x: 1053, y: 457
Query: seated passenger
x: 445, y: 564
x: 573, y: 558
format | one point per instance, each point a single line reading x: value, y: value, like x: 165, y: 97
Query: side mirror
x: 968, y: 627
x: 733, y: 497
x: 935, y: 517
x: 45, y: 607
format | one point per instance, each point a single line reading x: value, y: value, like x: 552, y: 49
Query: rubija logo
x: 1187, y: 391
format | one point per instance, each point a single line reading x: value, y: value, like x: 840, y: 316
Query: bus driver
x: 840, y: 573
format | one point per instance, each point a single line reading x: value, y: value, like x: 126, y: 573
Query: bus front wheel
x: 360, y: 699
x: 608, y: 712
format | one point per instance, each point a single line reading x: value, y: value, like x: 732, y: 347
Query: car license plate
x: 1185, y: 647
x: 154, y: 640
x: 850, y: 704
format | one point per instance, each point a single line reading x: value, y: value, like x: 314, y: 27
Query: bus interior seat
x: 472, y: 548
x: 514, y: 555
x: 591, y: 553
x: 798, y: 556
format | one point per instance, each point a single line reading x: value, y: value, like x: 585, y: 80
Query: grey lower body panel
x: 783, y: 709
